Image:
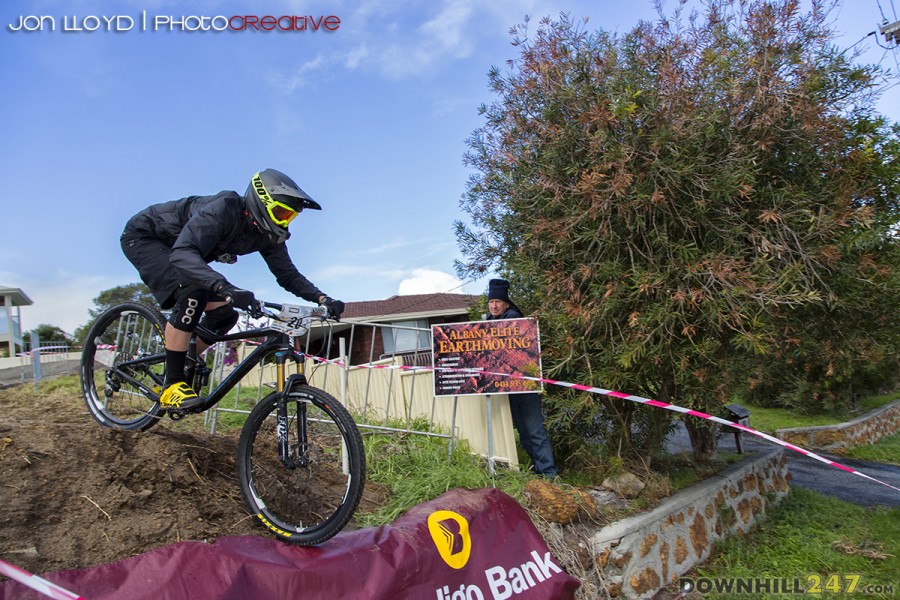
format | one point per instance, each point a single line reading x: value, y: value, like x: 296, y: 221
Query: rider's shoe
x: 180, y: 395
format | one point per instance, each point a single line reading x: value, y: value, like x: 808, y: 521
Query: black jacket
x: 512, y: 312
x: 200, y: 229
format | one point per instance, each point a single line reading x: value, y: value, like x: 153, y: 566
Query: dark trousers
x: 528, y: 419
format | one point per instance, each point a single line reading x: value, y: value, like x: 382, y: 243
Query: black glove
x: 242, y: 299
x: 335, y: 307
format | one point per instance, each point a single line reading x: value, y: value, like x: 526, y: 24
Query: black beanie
x: 498, y: 289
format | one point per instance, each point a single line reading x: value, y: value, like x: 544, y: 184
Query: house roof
x: 405, y: 307
x: 18, y: 297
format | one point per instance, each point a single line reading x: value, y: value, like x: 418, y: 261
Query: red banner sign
x: 463, y: 545
x: 478, y: 358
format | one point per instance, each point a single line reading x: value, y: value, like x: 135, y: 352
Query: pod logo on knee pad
x: 190, y: 312
x: 450, y: 533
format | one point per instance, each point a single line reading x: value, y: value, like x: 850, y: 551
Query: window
x: 406, y: 336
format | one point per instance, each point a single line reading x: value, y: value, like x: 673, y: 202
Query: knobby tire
x: 308, y: 504
x: 123, y: 333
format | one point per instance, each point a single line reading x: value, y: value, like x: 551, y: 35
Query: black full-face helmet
x: 273, y: 200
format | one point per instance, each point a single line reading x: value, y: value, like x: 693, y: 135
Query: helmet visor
x: 281, y: 214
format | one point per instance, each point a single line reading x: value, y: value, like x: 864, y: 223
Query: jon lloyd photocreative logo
x: 181, y: 23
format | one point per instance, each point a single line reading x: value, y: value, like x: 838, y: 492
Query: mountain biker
x: 171, y: 245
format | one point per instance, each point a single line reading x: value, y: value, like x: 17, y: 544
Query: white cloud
x: 397, y: 41
x: 426, y: 281
x: 300, y: 76
x: 62, y: 299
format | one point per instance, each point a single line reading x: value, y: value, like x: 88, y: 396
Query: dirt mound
x: 75, y: 494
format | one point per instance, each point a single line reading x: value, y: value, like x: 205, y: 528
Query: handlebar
x: 292, y: 314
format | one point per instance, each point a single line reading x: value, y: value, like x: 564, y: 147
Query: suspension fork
x: 284, y: 387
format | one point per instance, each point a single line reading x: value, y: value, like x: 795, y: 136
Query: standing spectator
x: 527, y: 414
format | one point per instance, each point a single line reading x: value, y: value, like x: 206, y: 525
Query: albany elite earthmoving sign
x: 479, y: 358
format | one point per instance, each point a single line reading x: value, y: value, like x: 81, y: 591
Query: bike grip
x: 256, y: 310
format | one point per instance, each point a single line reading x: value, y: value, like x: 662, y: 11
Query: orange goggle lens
x: 282, y: 214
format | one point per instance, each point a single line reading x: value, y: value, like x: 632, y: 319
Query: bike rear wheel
x: 313, y: 497
x: 123, y: 367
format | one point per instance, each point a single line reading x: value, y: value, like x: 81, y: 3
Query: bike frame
x: 277, y: 342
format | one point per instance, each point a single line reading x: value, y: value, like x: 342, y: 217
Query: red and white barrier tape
x: 630, y: 398
x: 37, y: 583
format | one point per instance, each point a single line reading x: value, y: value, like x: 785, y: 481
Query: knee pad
x: 189, y: 305
x: 219, y: 321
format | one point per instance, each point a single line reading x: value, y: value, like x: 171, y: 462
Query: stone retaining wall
x: 867, y: 429
x: 640, y: 555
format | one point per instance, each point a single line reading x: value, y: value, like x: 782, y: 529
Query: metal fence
x: 48, y: 358
x: 389, y: 392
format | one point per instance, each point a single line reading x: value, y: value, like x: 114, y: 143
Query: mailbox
x: 738, y: 414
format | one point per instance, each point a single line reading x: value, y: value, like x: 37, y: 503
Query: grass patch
x: 66, y: 384
x: 886, y: 450
x: 417, y: 469
x: 769, y: 419
x: 872, y: 402
x: 810, y: 535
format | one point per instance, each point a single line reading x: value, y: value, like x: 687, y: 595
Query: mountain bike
x: 300, y: 459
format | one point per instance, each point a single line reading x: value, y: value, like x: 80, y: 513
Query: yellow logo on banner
x: 450, y: 533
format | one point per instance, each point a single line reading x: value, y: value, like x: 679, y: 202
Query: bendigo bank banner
x: 476, y: 358
x: 463, y: 545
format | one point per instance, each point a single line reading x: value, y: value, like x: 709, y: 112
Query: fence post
x: 345, y: 370
x: 36, y: 356
x: 490, y: 435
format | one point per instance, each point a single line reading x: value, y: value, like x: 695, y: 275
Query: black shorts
x: 150, y: 257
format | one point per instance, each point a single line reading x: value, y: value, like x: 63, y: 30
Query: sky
x: 110, y: 106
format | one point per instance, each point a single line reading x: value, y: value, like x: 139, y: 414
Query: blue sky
x: 370, y: 119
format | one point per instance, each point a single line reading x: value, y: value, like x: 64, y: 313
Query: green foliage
x: 132, y: 292
x: 49, y: 333
x: 695, y: 208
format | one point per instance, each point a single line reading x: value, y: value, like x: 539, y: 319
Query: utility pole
x: 890, y: 31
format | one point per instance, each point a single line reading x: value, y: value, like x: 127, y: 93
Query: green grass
x: 66, y: 384
x: 770, y: 419
x: 872, y: 402
x: 886, y: 450
x: 810, y: 535
x: 417, y: 469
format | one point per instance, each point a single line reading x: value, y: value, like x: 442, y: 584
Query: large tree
x: 679, y: 199
x: 49, y: 334
x: 132, y: 292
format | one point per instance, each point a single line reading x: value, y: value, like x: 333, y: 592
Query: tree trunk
x: 703, y: 438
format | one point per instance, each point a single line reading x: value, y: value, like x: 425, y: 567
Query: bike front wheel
x: 301, y: 471
x: 123, y: 366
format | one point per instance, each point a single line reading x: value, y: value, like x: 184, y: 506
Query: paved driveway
x: 812, y: 474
